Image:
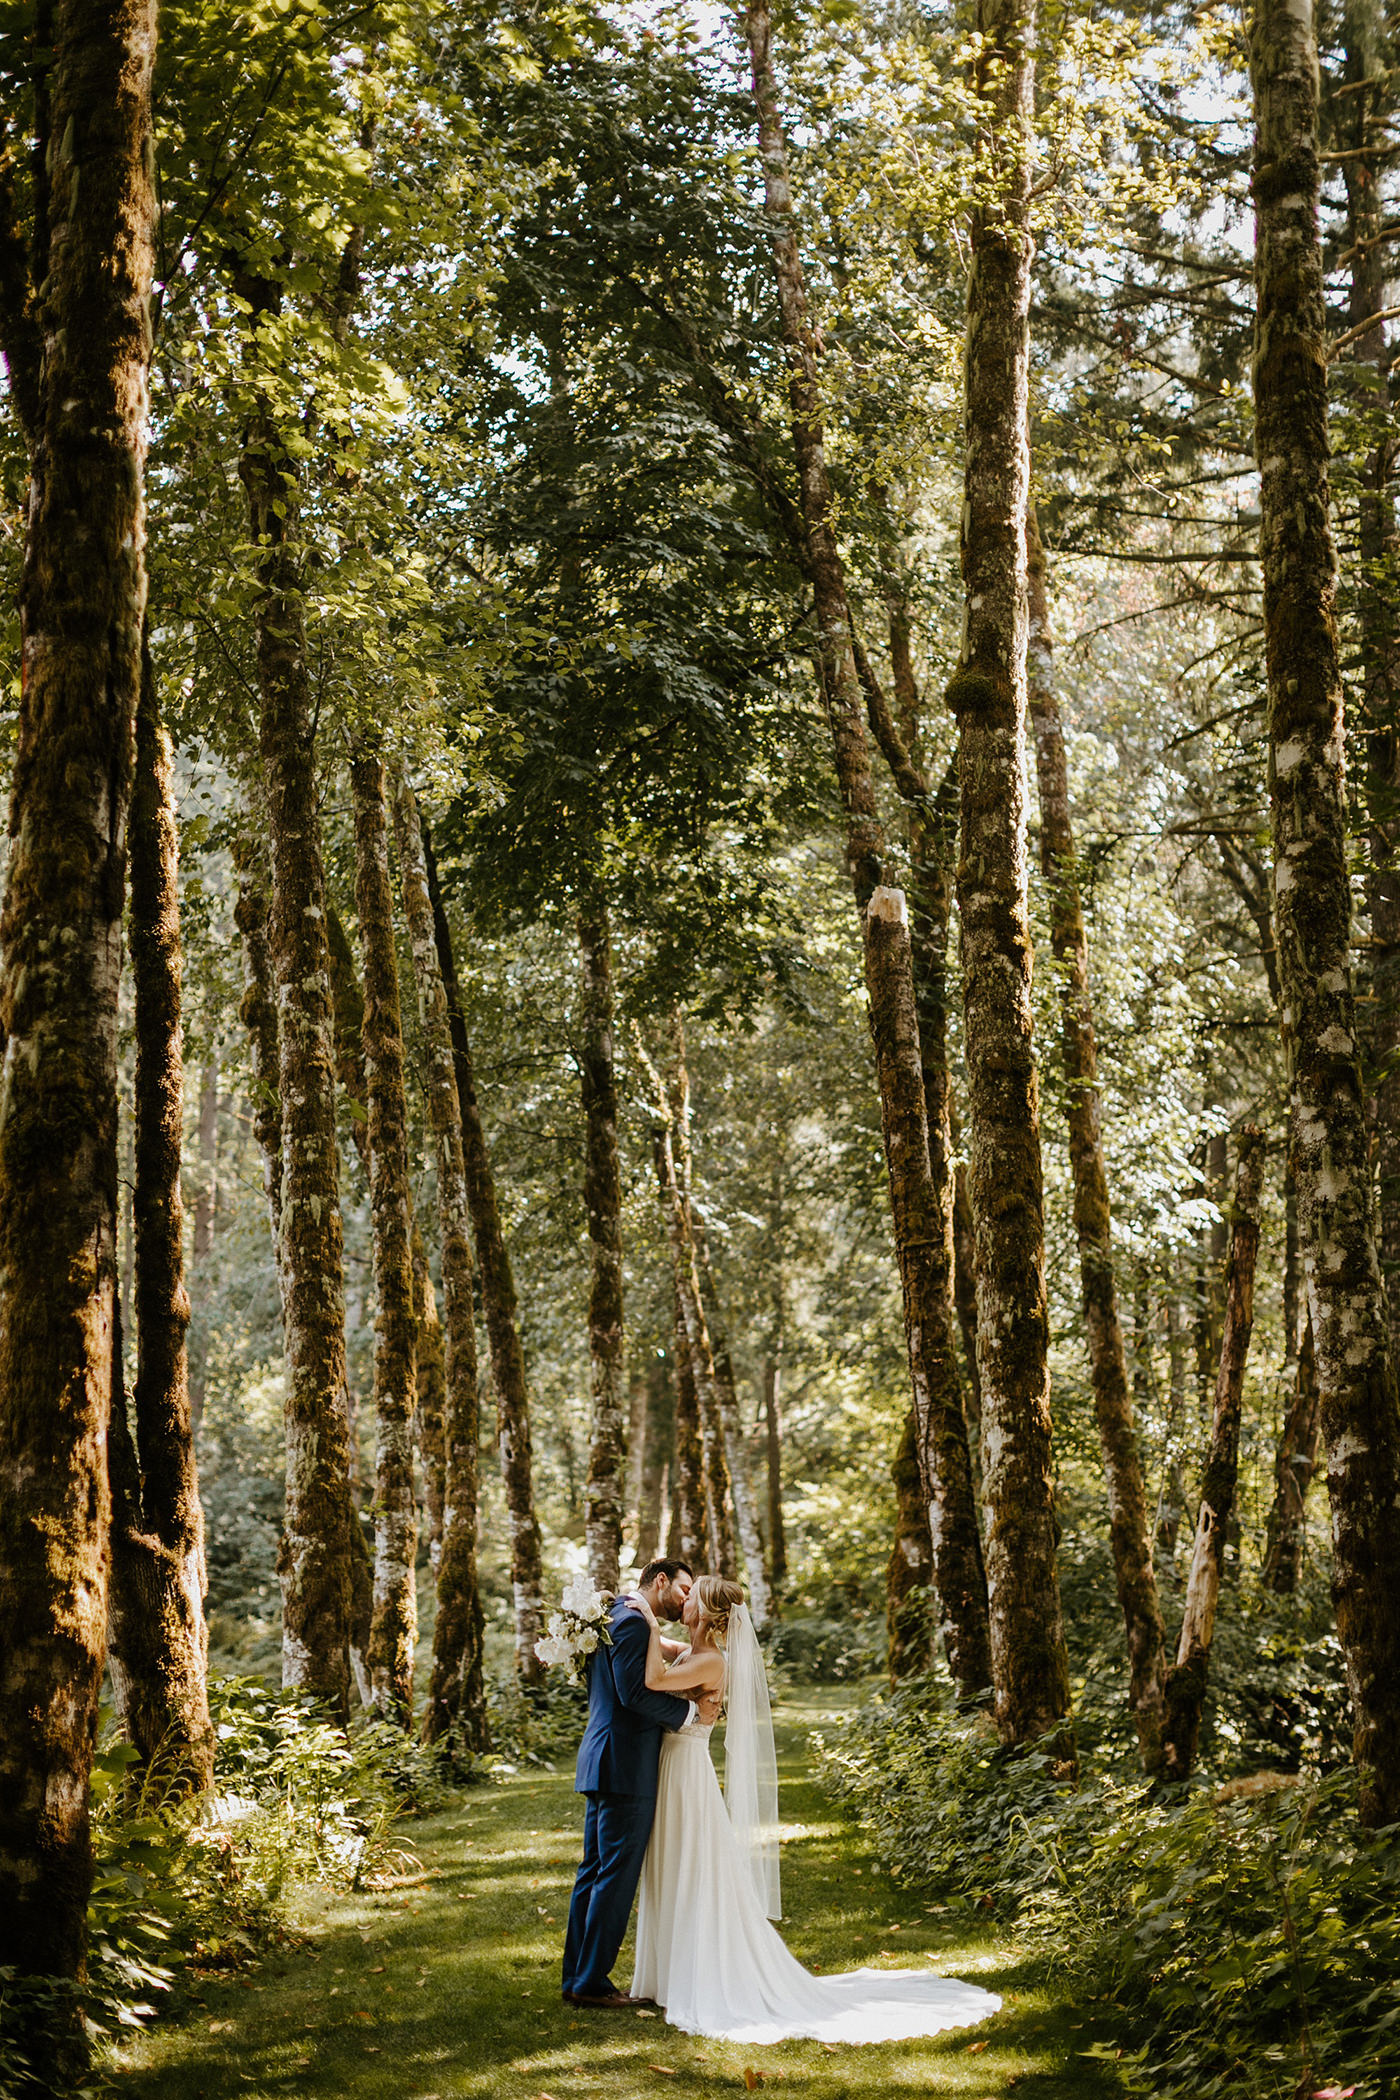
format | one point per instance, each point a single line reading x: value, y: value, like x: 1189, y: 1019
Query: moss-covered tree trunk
x: 1185, y: 1687
x: 910, y: 1597
x: 730, y: 1424
x: 670, y: 1138
x: 502, y: 1312
x: 658, y: 1454
x: 205, y: 1208
x: 258, y: 1013
x: 1364, y: 110
x: 319, y: 1540
x: 432, y: 1398
x: 159, y: 1643
x: 82, y: 603
x: 394, y: 1626
x: 1129, y: 1529
x: 1295, y: 1462
x: 1312, y: 901
x: 920, y: 1239
x: 602, y: 1197
x: 950, y: 1475
x: 456, y: 1704
x: 987, y: 694
x: 687, y: 1541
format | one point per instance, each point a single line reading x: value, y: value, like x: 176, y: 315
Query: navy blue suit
x: 617, y: 1765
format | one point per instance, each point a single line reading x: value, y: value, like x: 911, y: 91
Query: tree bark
x: 83, y: 598
x: 1312, y: 903
x: 921, y: 1238
x: 773, y: 1452
x: 502, y: 1311
x: 258, y: 1013
x: 158, y: 1639
x: 1129, y: 1532
x: 602, y: 1196
x: 432, y: 1399
x: 394, y: 1626
x: 206, y: 1198
x: 348, y: 1004
x: 731, y: 1431
x: 1363, y: 111
x: 320, y: 1536
x: 987, y: 694
x: 456, y: 1705
x: 688, y: 1529
x: 910, y: 1598
x: 1185, y: 1688
x: 658, y: 1442
x: 671, y: 1157
x: 1294, y: 1466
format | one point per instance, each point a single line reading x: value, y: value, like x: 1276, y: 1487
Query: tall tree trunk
x: 457, y: 1690
x: 159, y: 1642
x: 965, y: 1300
x: 1312, y: 902
x: 772, y: 1396
x: 432, y: 1398
x: 687, y: 1541
x: 320, y: 1537
x: 206, y: 1198
x: 670, y: 1137
x: 1171, y: 1498
x: 1367, y: 91
x: 736, y: 1457
x: 919, y: 1225
x: 1294, y: 1465
x: 1185, y: 1688
x: 83, y: 599
x: 658, y: 1442
x: 987, y: 694
x: 910, y: 1598
x: 258, y: 1013
x: 602, y: 1196
x: 1129, y: 1532
x: 348, y: 1004
x: 773, y: 1453
x: 394, y: 1626
x: 502, y: 1310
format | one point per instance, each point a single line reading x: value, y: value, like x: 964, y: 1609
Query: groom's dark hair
x: 669, y: 1568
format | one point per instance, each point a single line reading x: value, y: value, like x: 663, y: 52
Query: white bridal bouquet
x: 577, y: 1627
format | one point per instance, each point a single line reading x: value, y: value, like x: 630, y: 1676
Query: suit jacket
x: 621, y: 1745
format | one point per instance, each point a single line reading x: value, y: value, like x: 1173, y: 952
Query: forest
x: 702, y: 737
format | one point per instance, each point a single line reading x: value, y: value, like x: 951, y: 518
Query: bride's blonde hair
x: 717, y: 1597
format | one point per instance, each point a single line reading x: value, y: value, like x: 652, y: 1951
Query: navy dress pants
x: 615, y: 1832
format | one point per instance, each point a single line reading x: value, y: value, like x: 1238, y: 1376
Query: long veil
x: 750, y: 1760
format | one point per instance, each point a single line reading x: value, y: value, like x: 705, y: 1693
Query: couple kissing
x: 707, y: 1952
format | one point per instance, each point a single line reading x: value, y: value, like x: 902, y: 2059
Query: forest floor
x: 445, y: 1985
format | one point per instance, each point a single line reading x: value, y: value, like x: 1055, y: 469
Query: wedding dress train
x: 708, y: 1955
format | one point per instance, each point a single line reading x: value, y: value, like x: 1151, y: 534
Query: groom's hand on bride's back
x: 707, y: 1708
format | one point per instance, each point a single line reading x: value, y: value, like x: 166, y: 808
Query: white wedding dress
x: 707, y: 1954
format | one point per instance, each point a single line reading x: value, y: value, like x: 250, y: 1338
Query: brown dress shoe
x: 610, y: 2001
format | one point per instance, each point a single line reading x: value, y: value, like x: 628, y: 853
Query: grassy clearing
x: 445, y: 1986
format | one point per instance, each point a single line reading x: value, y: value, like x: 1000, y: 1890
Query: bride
x: 706, y: 1952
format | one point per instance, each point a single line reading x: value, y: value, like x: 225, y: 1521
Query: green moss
x: 974, y: 693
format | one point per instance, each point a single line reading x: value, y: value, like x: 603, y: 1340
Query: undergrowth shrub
x: 205, y: 1885
x: 1242, y: 1937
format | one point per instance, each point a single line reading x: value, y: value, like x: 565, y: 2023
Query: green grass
x: 445, y: 1985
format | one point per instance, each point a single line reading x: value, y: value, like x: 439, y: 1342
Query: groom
x: 617, y: 1764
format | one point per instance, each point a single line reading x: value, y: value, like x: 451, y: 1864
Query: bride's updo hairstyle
x: 717, y: 1597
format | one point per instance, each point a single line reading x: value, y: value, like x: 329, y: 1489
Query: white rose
x: 587, y: 1640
